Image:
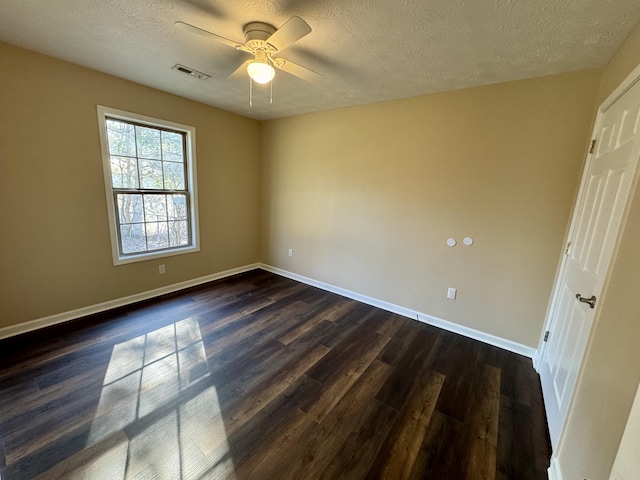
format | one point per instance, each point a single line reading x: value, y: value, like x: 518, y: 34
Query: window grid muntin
x: 142, y: 191
x: 119, y: 224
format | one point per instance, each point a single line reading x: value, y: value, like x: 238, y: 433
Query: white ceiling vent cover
x: 190, y: 71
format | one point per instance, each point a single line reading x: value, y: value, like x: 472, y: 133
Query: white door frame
x: 628, y: 82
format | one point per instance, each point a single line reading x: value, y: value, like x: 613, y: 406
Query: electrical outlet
x: 451, y: 293
x: 161, y: 269
x: 291, y: 252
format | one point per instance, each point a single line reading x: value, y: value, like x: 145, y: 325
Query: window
x: 150, y: 180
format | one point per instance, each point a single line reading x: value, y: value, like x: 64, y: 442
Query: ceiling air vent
x: 190, y: 71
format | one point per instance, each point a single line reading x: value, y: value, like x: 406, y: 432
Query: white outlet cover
x: 467, y: 241
x: 452, y: 242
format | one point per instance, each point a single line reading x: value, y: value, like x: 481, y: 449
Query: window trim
x: 191, y: 180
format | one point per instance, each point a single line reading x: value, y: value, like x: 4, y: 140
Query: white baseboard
x: 423, y: 317
x: 536, y: 361
x: 36, y: 324
x: 554, y: 472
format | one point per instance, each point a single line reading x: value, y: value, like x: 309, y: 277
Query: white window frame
x: 190, y: 136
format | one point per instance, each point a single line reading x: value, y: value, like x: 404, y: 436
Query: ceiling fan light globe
x: 261, y: 72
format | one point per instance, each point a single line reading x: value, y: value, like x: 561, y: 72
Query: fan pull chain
x: 251, y: 92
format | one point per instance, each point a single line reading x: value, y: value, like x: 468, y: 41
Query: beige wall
x: 55, y: 252
x: 611, y: 371
x: 623, y: 62
x: 368, y: 196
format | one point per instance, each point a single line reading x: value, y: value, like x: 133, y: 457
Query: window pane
x: 124, y: 172
x: 133, y: 239
x: 121, y: 138
x: 151, y: 174
x: 173, y: 176
x: 172, y: 147
x: 177, y: 207
x: 148, y: 142
x: 178, y: 233
x: 130, y: 208
x: 155, y: 208
x: 157, y: 235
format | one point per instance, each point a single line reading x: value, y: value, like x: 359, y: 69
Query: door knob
x: 591, y: 301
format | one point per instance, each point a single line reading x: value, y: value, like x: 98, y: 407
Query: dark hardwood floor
x: 260, y: 377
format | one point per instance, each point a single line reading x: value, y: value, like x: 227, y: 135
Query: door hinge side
x: 593, y: 146
x: 546, y: 336
x: 567, y: 250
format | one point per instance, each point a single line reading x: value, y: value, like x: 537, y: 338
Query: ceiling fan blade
x: 240, y: 72
x: 297, y: 70
x: 209, y: 35
x: 293, y: 30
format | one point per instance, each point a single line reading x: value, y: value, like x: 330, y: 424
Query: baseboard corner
x: 554, y: 472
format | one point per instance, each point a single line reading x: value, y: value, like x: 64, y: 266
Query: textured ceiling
x: 367, y: 50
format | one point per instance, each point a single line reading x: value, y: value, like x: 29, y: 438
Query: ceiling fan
x: 264, y: 42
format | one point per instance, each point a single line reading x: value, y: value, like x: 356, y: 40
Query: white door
x: 595, y: 226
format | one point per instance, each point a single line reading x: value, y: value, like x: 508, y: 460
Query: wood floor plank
x: 328, y: 312
x: 260, y: 376
x: 249, y: 443
x: 402, y: 444
x: 339, y: 308
x: 3, y: 459
x: 395, y: 390
x: 399, y: 344
x: 435, y: 468
x: 391, y: 327
x: 510, y: 460
x: 483, y: 426
x: 341, y: 368
x: 344, y: 326
x: 444, y: 447
x: 271, y: 322
x: 537, y: 423
x: 262, y: 394
x: 457, y: 359
x: 359, y: 450
x: 347, y: 416
x: 292, y: 358
x: 35, y: 430
x: 271, y: 457
x: 218, y: 316
x: 306, y: 321
x: 229, y: 334
x: 30, y: 466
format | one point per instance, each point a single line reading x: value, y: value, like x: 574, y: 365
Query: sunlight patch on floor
x: 152, y: 420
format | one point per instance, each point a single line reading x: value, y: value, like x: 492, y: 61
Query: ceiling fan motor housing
x: 256, y: 35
